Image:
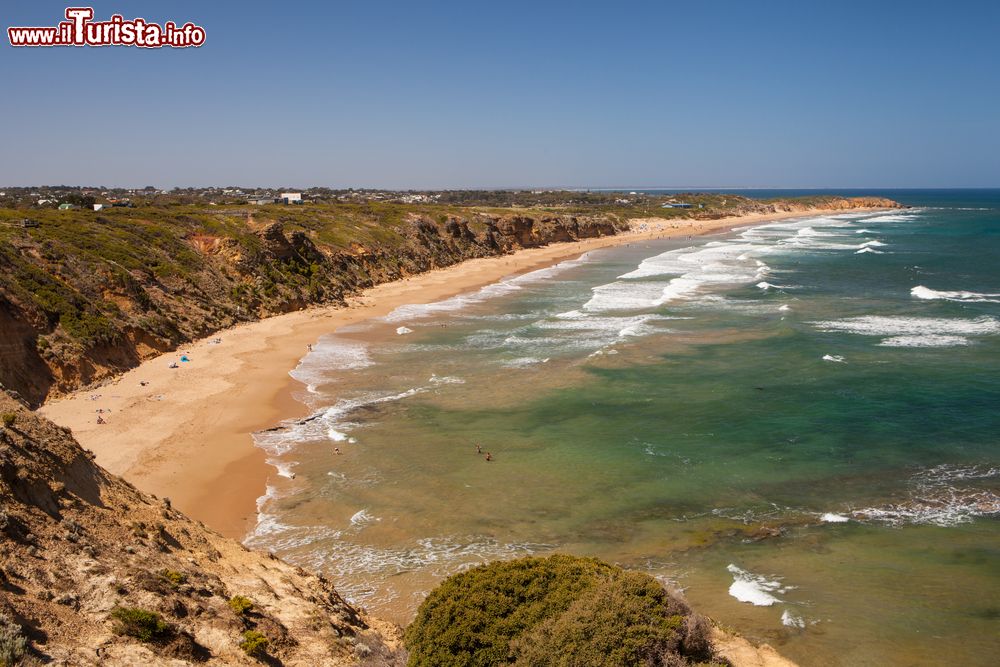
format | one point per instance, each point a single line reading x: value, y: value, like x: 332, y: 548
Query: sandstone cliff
x: 85, y: 296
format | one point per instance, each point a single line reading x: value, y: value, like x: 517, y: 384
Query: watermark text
x: 79, y: 29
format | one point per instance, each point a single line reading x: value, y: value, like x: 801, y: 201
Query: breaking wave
x: 921, y: 292
x: 903, y: 331
x: 755, y: 589
x: 945, y: 495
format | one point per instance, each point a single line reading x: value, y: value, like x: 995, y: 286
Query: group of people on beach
x: 479, y: 450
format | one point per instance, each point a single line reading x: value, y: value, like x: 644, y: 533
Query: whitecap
x: 869, y: 251
x: 752, y: 588
x: 830, y: 517
x: 836, y: 358
x: 928, y: 340
x: 921, y: 292
x: 792, y: 620
x: 930, y: 329
x: 402, y: 331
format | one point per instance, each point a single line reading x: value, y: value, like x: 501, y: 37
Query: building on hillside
x: 676, y: 206
x: 98, y: 207
x: 291, y: 197
x: 260, y: 201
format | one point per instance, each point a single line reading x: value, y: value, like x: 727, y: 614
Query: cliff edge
x: 95, y: 572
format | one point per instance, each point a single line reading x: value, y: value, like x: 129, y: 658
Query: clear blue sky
x: 508, y: 94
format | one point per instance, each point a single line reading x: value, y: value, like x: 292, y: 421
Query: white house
x: 291, y: 197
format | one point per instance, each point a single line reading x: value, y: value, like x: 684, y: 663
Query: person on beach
x: 479, y: 449
x: 336, y: 450
x: 100, y: 420
x: 489, y: 457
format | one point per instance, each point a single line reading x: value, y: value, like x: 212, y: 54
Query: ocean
x: 797, y: 424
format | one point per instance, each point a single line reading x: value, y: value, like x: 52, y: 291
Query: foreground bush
x: 240, y: 604
x: 559, y: 610
x: 13, y: 643
x: 254, y: 644
x: 144, y: 625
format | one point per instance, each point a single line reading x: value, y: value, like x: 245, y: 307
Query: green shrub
x: 175, y: 578
x: 240, y: 604
x: 626, y: 620
x: 13, y: 644
x: 547, y: 611
x: 254, y: 644
x: 144, y: 625
x: 8, y: 419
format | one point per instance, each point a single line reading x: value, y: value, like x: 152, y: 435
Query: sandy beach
x: 185, y: 432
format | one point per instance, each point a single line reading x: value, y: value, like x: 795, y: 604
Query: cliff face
x: 77, y: 544
x: 99, y: 296
x: 85, y: 296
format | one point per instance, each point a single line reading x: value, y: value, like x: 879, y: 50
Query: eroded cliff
x: 88, y: 564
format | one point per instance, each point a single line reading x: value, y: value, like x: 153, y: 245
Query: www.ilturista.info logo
x: 80, y: 30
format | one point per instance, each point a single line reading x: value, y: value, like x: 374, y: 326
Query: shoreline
x: 186, y: 433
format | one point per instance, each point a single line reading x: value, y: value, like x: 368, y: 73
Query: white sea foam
x: 447, y: 379
x: 335, y: 435
x: 331, y: 352
x: 902, y: 331
x: 753, y: 588
x: 402, y: 331
x: 329, y: 424
x: 874, y: 243
x: 928, y: 340
x: 869, y: 251
x: 718, y: 264
x: 830, y: 517
x: 836, y: 358
x: 501, y: 288
x: 945, y: 495
x: 792, y: 620
x: 921, y: 292
x: 764, y: 285
x: 522, y: 362
x: 892, y: 217
x: 284, y: 467
x: 362, y: 518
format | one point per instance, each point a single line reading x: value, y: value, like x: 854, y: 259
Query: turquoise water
x: 795, y: 423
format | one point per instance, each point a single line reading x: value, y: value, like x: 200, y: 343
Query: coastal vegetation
x: 560, y: 610
x: 144, y: 625
x: 87, y: 294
